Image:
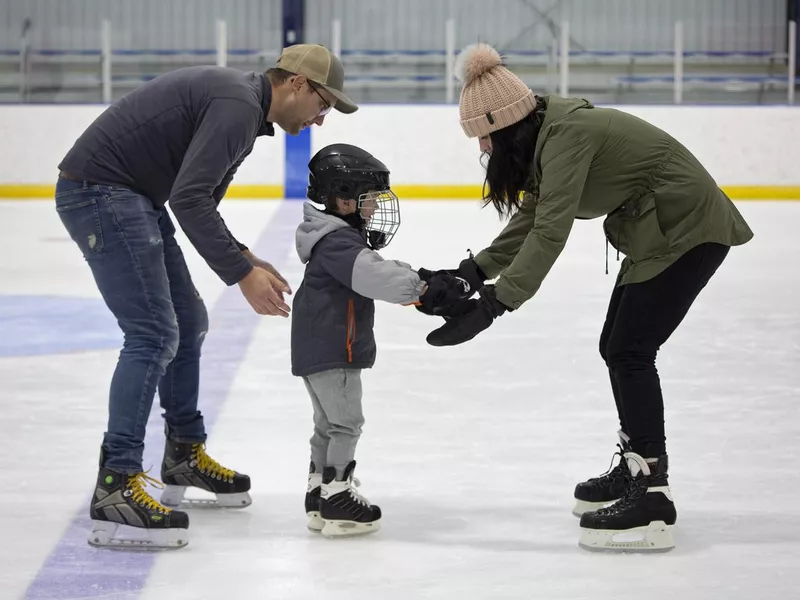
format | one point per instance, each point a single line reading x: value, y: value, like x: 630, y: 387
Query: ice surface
x: 472, y: 452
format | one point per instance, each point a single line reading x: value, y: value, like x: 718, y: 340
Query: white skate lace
x: 354, y: 483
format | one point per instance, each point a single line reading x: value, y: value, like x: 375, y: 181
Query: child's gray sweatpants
x: 336, y: 397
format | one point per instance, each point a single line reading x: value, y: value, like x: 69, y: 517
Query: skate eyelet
x: 127, y: 493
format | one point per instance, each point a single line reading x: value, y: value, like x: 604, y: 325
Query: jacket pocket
x: 634, y: 230
x: 351, y: 328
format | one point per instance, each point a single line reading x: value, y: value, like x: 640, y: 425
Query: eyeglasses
x: 327, y: 108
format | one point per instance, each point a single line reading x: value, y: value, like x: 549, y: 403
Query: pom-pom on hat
x: 492, y: 97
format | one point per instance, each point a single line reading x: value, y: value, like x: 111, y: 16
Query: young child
x: 333, y: 315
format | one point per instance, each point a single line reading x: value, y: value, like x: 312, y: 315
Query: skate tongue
x: 624, y: 440
x: 646, y: 466
x: 637, y: 464
x: 348, y: 470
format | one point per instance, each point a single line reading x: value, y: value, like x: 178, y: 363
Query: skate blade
x: 315, y: 522
x: 116, y: 536
x: 334, y: 529
x: 174, y: 496
x: 583, y: 506
x: 655, y: 537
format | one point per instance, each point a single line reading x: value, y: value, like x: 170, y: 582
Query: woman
x: 552, y: 160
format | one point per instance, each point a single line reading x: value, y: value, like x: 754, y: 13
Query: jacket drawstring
x: 607, y: 255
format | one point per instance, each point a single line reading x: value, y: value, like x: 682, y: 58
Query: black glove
x: 460, y: 329
x: 469, y: 271
x: 444, y: 291
x: 450, y: 311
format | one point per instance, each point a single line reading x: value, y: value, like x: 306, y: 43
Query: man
x: 179, y: 138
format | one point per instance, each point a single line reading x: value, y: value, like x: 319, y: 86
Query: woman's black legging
x: 641, y: 317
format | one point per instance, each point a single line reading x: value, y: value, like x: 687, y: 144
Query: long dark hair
x: 510, y: 162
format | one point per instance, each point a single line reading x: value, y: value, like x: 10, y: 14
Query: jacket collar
x: 266, y: 100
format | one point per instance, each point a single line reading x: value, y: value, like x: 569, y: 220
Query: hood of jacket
x: 315, y: 226
x: 557, y: 107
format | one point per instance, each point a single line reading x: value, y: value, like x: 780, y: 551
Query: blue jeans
x: 139, y: 268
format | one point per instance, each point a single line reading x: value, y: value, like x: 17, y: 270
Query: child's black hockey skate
x: 315, y: 522
x: 642, y: 519
x: 186, y: 464
x: 342, y: 509
x: 599, y: 492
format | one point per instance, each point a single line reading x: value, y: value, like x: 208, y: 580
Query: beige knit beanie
x: 492, y: 97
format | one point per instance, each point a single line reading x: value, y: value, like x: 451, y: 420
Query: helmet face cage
x: 380, y: 210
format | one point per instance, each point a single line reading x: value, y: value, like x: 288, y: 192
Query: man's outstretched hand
x: 264, y: 287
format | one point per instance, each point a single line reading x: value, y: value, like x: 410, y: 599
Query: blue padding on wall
x: 298, y: 153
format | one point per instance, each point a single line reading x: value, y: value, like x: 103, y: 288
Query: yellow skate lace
x: 209, y: 466
x: 136, y: 485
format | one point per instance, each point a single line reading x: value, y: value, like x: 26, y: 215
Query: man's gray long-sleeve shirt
x: 180, y: 138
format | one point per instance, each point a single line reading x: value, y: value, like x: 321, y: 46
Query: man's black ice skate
x: 642, y: 519
x: 342, y: 509
x: 315, y: 522
x: 186, y: 464
x: 599, y: 492
x: 125, y: 516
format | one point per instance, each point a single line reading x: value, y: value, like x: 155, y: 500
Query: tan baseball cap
x: 321, y: 66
